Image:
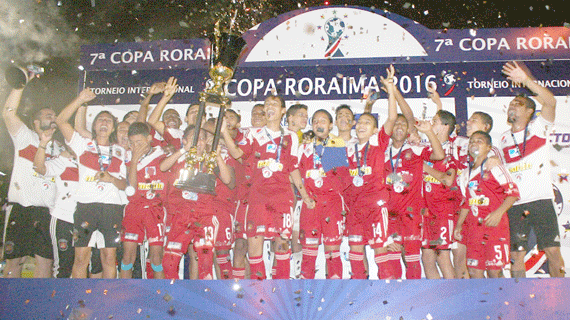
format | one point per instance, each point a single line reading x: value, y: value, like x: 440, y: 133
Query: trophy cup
x: 225, y: 51
x: 17, y: 77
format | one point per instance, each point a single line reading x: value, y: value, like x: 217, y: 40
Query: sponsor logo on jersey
x: 174, y: 245
x: 514, y: 152
x: 154, y: 185
x: 271, y: 148
x: 367, y: 171
x: 481, y: 201
x: 131, y: 236
x: 520, y: 167
x: 62, y: 244
x: 472, y: 262
x: 431, y: 179
x: 9, y: 247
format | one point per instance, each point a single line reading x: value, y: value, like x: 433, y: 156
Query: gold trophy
x: 17, y: 77
x: 225, y: 51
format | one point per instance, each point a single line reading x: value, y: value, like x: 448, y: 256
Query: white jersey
x: 27, y: 187
x: 66, y: 174
x: 92, y: 159
x: 528, y: 160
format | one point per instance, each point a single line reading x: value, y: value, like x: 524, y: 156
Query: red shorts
x: 225, y: 236
x: 492, y: 255
x: 437, y: 231
x: 239, y: 217
x: 144, y: 219
x: 406, y: 225
x: 325, y: 220
x: 270, y: 219
x: 368, y: 225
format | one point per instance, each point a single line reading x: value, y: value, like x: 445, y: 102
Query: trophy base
x: 203, y: 183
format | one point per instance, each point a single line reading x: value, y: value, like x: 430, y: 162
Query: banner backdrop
x: 327, y: 56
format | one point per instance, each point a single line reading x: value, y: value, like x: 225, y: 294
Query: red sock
x: 170, y: 264
x: 384, y: 269
x: 308, y: 263
x: 257, y: 267
x: 357, y: 265
x: 413, y: 266
x: 395, y: 265
x: 225, y: 266
x: 238, y: 273
x: 205, y: 262
x: 282, y: 267
x: 334, y: 265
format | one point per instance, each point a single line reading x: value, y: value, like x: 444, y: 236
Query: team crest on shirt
x: 9, y: 247
x: 100, y: 187
x: 45, y: 186
x: 149, y: 171
x: 514, y: 152
x: 118, y: 153
x: 485, y: 176
x: 62, y: 244
x: 188, y: 195
x: 408, y: 155
x: 91, y: 147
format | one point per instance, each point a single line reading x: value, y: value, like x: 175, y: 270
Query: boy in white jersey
x: 526, y: 155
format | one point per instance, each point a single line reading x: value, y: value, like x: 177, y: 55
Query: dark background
x: 50, y: 33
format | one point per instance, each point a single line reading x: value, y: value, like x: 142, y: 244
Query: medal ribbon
x: 394, y: 168
x: 104, y: 166
x: 524, y: 141
x: 360, y: 173
x: 280, y: 146
x: 318, y: 158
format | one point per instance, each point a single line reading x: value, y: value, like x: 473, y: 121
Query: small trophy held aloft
x: 225, y: 51
x: 18, y: 77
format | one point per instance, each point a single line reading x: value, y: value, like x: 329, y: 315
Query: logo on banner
x: 334, y: 28
x: 449, y: 81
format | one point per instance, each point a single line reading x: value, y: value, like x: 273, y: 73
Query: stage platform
x: 285, y: 299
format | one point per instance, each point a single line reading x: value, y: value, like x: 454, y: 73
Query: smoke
x: 34, y: 31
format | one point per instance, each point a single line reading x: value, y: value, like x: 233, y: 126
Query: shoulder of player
x: 492, y: 162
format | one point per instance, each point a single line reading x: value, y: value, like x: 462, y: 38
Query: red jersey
x: 367, y: 162
x: 437, y: 195
x: 484, y: 191
x: 152, y: 184
x: 317, y: 181
x: 272, y: 156
x: 404, y: 169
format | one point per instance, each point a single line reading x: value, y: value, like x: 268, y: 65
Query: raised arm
x: 13, y: 122
x: 227, y: 173
x: 519, y: 74
x: 81, y: 122
x: 154, y: 118
x: 434, y: 96
x: 62, y: 119
x: 392, y: 107
x: 156, y: 88
x: 425, y: 127
x: 40, y: 157
x: 231, y: 145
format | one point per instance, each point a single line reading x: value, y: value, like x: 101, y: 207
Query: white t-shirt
x: 66, y: 174
x: 89, y: 155
x: 27, y: 187
x: 528, y: 160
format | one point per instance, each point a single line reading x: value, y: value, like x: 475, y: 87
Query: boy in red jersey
x: 489, y: 192
x: 147, y: 190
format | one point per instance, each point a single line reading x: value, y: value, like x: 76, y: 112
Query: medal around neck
x: 358, y: 181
